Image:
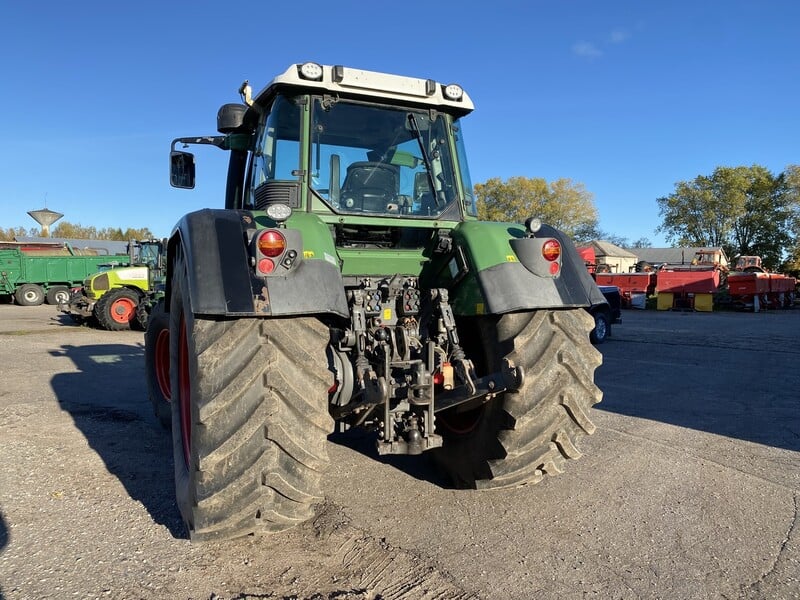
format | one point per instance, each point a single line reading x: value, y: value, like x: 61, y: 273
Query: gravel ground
x: 689, y: 488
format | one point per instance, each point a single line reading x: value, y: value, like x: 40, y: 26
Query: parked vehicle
x: 605, y: 313
x: 634, y: 288
x: 348, y: 280
x: 121, y: 297
x: 35, y: 273
x: 752, y: 287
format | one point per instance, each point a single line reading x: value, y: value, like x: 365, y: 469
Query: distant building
x: 90, y: 246
x: 680, y: 256
x: 611, y: 258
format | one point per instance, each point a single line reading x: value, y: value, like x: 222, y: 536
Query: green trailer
x: 33, y: 278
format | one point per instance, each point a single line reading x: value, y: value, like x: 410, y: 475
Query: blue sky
x: 627, y: 98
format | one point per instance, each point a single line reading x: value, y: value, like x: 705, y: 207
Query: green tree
x: 111, y: 233
x: 65, y: 229
x: 791, y: 181
x: 8, y: 235
x: 137, y: 234
x: 562, y: 203
x: 746, y: 210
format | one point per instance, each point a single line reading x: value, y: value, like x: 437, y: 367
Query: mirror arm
x: 213, y: 140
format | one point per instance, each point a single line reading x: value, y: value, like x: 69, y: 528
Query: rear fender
x: 223, y: 282
x: 505, y: 272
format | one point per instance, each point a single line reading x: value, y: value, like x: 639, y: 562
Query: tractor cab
x: 345, y: 144
x: 749, y: 264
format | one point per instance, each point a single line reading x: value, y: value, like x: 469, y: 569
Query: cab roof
x: 358, y: 83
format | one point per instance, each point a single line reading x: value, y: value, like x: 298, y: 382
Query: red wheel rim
x: 162, y: 363
x: 122, y: 310
x: 184, y: 392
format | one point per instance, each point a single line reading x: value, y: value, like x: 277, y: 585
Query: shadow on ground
x: 108, y: 402
x: 3, y: 533
x: 420, y: 467
x: 747, y: 393
x: 3, y: 542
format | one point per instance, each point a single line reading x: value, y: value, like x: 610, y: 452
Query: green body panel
x: 381, y: 262
x: 130, y: 277
x: 318, y: 243
x: 467, y: 299
x: 484, y: 245
x: 317, y: 240
x: 487, y: 243
x: 18, y: 268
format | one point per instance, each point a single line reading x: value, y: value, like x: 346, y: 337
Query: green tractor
x: 348, y: 282
x: 121, y: 297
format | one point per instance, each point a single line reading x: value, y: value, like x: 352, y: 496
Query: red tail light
x: 271, y: 243
x: 551, y: 250
x: 266, y: 266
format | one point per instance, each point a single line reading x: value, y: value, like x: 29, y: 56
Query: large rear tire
x: 58, y: 294
x: 519, y: 437
x: 249, y: 418
x: 29, y: 294
x: 156, y: 361
x: 116, y: 309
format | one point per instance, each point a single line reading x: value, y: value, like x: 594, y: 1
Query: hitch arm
x: 508, y: 379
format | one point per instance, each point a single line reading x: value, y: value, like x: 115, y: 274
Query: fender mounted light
x: 533, y: 225
x: 271, y: 243
x: 278, y: 212
x: 551, y: 250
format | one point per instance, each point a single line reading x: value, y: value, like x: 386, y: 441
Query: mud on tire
x: 249, y: 419
x: 519, y: 437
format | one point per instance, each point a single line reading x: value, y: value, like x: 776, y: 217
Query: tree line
x: 563, y: 203
x: 744, y: 210
x: 69, y: 230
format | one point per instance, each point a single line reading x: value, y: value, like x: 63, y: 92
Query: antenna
x: 45, y: 217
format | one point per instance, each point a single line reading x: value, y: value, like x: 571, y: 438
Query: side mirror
x: 181, y: 169
x: 421, y: 184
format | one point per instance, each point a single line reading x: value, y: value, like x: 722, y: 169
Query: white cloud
x: 592, y: 50
x: 619, y: 35
x: 586, y: 50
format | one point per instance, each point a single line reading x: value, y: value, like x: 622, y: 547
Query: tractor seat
x: 370, y: 186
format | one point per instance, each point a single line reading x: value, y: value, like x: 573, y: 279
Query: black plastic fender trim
x: 512, y: 286
x: 222, y: 282
x: 316, y: 286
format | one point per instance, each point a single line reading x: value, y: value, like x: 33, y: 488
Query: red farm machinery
x: 752, y: 287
